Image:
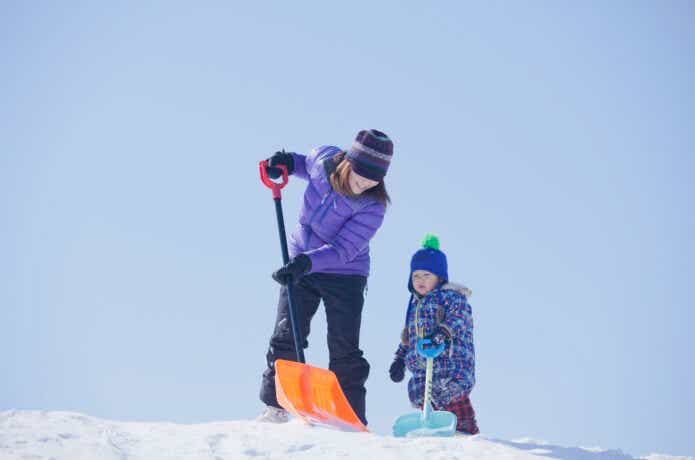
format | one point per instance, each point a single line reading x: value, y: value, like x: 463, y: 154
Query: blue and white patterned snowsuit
x: 454, y: 370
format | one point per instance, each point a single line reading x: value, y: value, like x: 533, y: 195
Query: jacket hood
x: 460, y: 288
x: 450, y: 286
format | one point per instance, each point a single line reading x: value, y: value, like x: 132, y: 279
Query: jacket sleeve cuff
x: 300, y: 166
x: 322, y: 257
x: 401, y: 351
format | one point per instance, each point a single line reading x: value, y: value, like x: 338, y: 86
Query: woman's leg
x: 343, y: 297
x: 306, y: 301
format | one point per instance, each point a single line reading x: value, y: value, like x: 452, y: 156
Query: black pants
x: 343, y: 298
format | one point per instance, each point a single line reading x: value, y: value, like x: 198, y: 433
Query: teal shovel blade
x: 439, y: 423
x: 428, y: 422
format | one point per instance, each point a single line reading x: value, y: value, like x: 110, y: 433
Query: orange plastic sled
x: 314, y: 395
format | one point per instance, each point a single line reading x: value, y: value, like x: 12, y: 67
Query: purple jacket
x: 333, y: 230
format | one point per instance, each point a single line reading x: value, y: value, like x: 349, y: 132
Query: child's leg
x: 465, y: 415
x: 416, y: 389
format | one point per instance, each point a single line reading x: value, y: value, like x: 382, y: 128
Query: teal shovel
x: 428, y: 422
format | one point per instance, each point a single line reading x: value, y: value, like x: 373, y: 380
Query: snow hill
x: 66, y: 435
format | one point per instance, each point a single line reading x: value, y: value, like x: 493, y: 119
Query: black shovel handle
x: 277, y: 197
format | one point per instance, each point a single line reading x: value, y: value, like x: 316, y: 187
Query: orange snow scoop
x: 314, y: 395
x: 309, y: 393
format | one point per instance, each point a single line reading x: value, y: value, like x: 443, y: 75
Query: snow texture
x: 34, y: 435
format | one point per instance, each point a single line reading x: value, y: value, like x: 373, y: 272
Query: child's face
x: 424, y: 281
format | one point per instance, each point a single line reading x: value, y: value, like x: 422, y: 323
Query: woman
x: 343, y: 207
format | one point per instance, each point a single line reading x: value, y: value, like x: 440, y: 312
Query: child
x: 438, y: 310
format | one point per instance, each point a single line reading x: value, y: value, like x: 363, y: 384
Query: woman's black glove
x: 280, y: 158
x: 397, y: 369
x: 294, y: 269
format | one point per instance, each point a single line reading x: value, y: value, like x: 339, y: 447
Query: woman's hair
x: 340, y: 181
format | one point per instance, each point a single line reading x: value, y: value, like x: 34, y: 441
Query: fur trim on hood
x: 460, y: 288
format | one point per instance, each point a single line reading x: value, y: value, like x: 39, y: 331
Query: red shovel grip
x: 274, y: 186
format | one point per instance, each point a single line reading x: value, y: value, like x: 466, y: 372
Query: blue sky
x: 550, y: 146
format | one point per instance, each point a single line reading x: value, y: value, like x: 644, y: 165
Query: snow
x: 67, y: 435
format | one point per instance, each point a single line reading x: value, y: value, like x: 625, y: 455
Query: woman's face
x: 359, y: 184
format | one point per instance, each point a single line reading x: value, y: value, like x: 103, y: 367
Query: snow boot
x: 273, y: 415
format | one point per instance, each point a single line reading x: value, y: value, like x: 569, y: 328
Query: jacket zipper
x: 313, y: 216
x: 325, y: 211
x: 417, y: 325
x: 318, y: 208
x: 418, y: 334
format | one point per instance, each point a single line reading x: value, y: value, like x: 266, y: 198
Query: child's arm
x: 401, y: 351
x: 403, y: 347
x: 458, y: 322
x: 397, y: 369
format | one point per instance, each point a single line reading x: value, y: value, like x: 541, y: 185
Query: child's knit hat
x: 429, y: 258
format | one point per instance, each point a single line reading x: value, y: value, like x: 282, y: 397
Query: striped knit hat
x: 370, y: 154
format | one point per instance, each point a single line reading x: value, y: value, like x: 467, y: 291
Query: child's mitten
x: 397, y: 369
x: 440, y: 336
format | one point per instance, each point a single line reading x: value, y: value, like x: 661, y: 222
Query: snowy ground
x: 65, y: 435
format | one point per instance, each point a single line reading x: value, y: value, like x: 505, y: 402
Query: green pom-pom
x: 430, y: 241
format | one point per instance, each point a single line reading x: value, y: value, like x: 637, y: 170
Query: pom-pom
x: 430, y: 241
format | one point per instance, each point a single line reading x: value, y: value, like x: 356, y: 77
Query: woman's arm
x: 300, y: 169
x: 304, y: 163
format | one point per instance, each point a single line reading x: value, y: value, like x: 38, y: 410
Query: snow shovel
x: 310, y: 393
x: 428, y: 422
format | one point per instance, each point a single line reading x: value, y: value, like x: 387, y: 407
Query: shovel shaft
x: 428, y: 422
x: 276, y: 188
x: 281, y: 230
x: 290, y: 297
x: 426, y: 406
x: 429, y: 353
